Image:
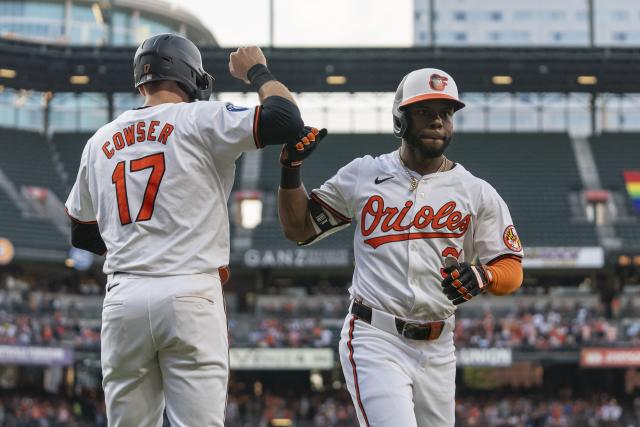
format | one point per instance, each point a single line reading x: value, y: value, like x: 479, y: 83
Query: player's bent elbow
x: 291, y: 129
x: 506, y: 290
x: 297, y: 234
x: 508, y: 286
x: 280, y: 121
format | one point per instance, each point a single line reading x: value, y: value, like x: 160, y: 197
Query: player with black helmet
x: 151, y: 194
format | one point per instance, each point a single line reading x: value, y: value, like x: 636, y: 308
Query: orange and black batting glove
x: 293, y: 153
x: 464, y: 281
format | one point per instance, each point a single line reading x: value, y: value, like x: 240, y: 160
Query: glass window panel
x: 81, y: 12
x: 44, y: 10
x: 460, y: 16
x: 630, y: 112
x: 11, y: 8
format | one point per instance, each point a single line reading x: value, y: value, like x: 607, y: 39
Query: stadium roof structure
x: 45, y: 67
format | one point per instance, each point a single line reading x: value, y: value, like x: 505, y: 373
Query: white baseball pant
x: 164, y: 342
x: 395, y: 381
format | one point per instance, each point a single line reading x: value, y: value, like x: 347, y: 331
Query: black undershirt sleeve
x: 87, y: 237
x: 280, y: 121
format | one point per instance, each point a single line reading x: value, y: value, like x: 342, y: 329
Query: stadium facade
x: 111, y: 23
x: 114, y: 23
x: 540, y: 23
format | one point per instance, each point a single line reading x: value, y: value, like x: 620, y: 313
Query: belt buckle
x: 409, y: 329
x: 404, y: 329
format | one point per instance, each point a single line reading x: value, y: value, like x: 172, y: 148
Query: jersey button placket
x: 413, y: 244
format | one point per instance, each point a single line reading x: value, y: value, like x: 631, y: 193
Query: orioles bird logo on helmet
x: 438, y: 82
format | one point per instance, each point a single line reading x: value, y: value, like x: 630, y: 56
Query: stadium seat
x: 614, y: 153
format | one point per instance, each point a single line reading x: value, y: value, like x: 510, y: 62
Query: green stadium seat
x: 614, y: 153
x: 26, y: 159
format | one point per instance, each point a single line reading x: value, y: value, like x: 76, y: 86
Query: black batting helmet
x: 172, y: 57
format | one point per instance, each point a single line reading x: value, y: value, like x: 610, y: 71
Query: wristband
x: 290, y: 178
x: 258, y: 75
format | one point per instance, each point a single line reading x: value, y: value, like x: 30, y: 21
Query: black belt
x: 426, y: 331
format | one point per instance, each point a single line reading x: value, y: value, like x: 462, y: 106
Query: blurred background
x: 552, y: 121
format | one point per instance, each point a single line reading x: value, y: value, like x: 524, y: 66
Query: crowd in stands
x: 30, y: 315
x: 335, y: 409
x: 544, y: 328
x: 294, y: 332
x: 519, y: 411
x: 524, y: 327
x: 324, y: 409
x: 51, y: 411
x: 58, y: 328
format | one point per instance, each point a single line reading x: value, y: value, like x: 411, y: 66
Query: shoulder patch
x: 511, y: 239
x: 231, y: 107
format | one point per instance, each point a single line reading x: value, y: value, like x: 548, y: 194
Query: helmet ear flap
x: 400, y: 124
x: 205, y: 87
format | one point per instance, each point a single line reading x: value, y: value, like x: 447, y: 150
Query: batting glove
x: 294, y: 153
x: 464, y: 281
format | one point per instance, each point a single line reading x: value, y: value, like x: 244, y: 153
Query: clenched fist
x: 294, y: 153
x: 243, y: 59
x: 464, y: 281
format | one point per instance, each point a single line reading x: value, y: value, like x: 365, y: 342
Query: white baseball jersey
x: 402, y: 237
x: 157, y: 181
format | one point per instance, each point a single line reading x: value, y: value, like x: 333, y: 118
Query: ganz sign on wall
x: 297, y: 258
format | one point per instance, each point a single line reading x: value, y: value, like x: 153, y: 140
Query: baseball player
x: 429, y: 236
x: 151, y: 193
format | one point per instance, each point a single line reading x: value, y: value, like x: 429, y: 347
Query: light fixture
x: 7, y: 73
x: 250, y: 213
x: 587, y: 80
x: 79, y: 80
x: 336, y: 80
x: 501, y: 80
x: 97, y: 13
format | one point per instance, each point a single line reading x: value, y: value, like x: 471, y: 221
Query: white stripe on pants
x: 395, y: 381
x: 164, y: 341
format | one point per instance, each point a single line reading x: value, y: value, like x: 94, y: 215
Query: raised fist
x: 243, y: 59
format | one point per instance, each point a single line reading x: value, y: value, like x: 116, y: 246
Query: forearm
x: 87, y: 237
x: 267, y: 85
x: 506, y: 275
x: 293, y: 212
x: 275, y: 88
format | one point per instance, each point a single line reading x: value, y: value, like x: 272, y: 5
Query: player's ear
x: 141, y: 90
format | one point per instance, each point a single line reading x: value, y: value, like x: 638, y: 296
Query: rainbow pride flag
x: 632, y: 179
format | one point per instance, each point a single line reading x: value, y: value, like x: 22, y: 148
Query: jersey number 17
x: 118, y: 178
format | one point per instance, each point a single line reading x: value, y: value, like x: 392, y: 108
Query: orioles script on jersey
x: 446, y: 222
x: 137, y: 133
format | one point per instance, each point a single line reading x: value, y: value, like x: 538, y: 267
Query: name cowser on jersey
x: 403, y: 237
x: 157, y: 180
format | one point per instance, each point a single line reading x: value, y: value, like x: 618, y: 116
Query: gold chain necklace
x: 412, y: 179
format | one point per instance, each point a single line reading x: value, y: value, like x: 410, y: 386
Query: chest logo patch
x: 511, y: 239
x: 443, y: 223
x: 379, y: 180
